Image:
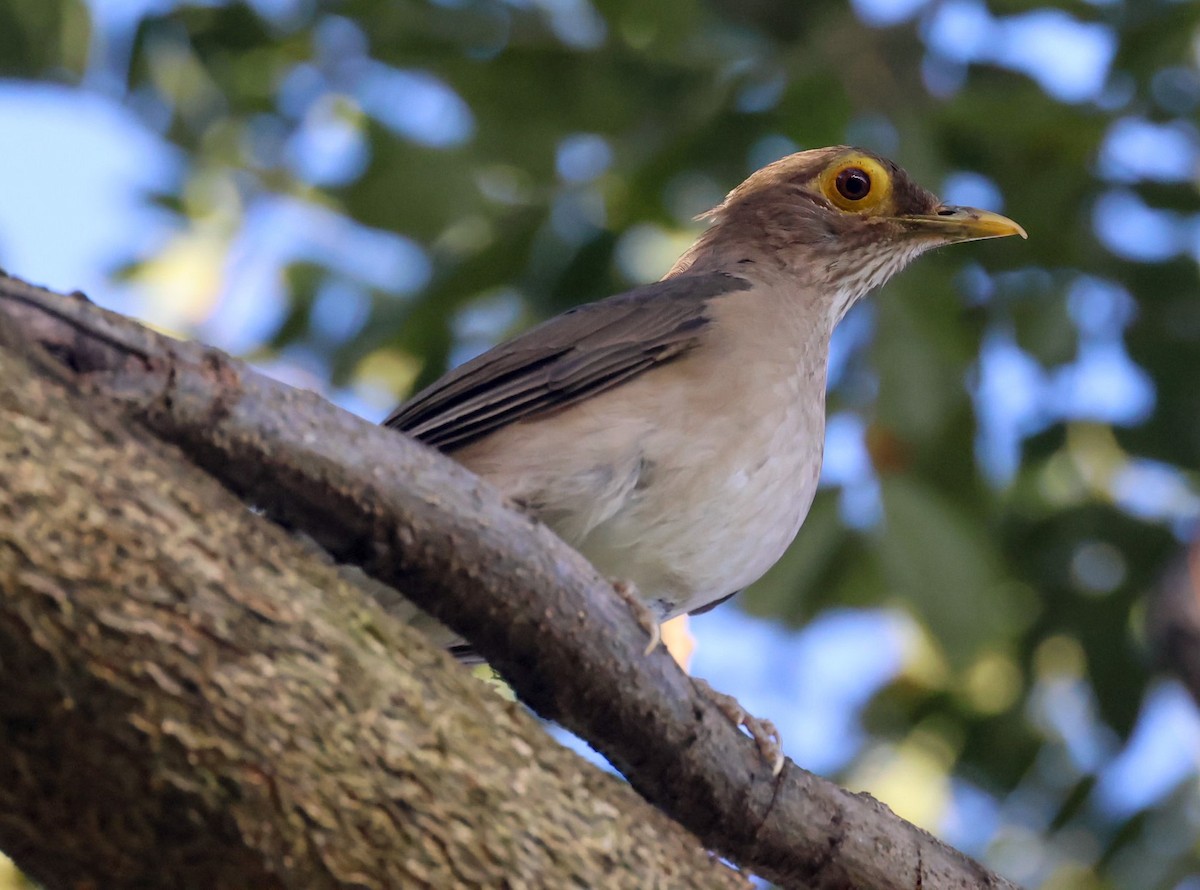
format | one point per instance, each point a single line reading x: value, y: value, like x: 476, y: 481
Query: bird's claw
x: 655, y: 637
x: 645, y: 618
x: 763, y: 731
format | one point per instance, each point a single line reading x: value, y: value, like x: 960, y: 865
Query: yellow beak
x: 950, y: 224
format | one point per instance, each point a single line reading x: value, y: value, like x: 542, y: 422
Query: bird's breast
x: 728, y: 490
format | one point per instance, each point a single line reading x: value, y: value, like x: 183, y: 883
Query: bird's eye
x: 857, y: 183
x: 853, y: 183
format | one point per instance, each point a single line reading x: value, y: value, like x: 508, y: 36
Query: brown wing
x: 561, y: 361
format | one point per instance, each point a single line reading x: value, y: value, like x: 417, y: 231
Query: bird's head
x: 841, y: 218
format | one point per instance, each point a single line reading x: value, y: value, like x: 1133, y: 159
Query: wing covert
x: 574, y: 355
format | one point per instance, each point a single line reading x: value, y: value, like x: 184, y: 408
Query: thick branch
x: 189, y: 698
x: 418, y: 522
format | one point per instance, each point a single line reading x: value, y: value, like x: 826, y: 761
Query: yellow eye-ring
x: 858, y: 184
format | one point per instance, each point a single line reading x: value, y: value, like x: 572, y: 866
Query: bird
x: 673, y: 434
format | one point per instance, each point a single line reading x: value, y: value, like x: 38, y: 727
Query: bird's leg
x: 763, y: 731
x: 645, y: 618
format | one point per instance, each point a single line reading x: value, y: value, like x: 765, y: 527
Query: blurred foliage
x: 532, y: 154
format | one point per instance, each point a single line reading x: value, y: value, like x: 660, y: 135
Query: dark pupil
x: 853, y: 184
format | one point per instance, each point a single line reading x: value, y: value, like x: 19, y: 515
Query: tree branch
x: 536, y: 610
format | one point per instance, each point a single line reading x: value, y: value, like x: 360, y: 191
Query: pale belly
x: 702, y: 528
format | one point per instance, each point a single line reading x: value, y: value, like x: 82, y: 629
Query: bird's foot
x: 645, y: 618
x: 763, y: 731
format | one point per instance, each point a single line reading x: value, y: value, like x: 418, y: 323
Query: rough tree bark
x: 417, y: 521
